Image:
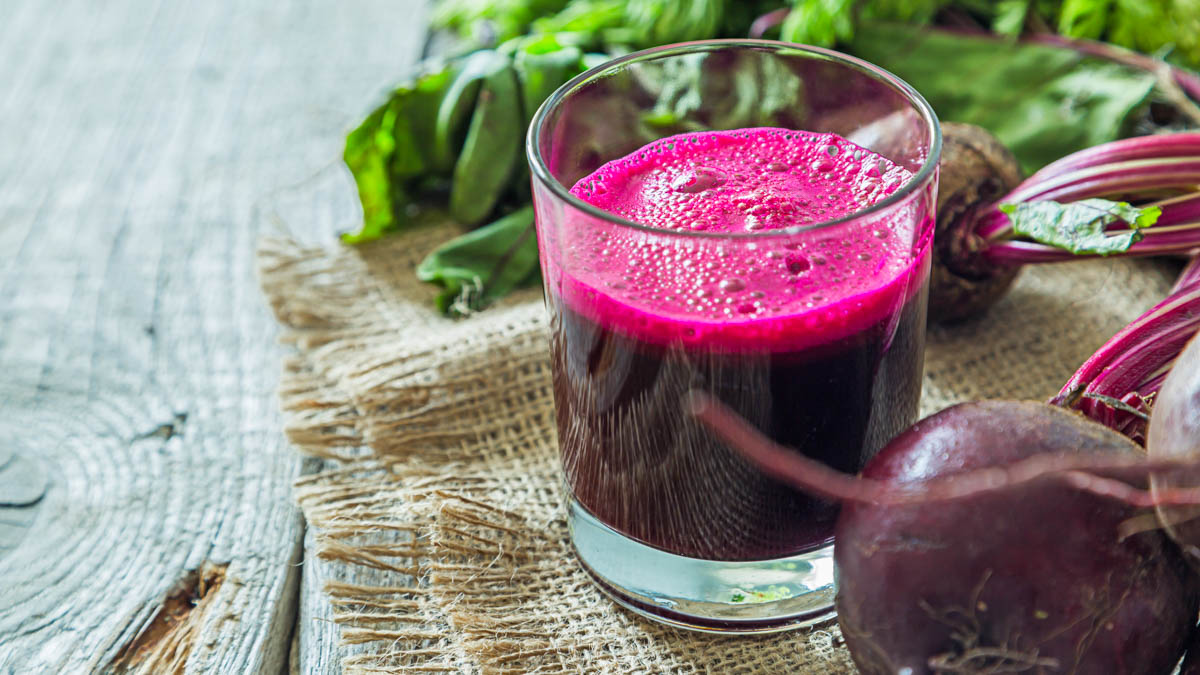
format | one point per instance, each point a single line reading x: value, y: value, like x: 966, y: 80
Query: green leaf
x: 587, y: 17
x: 482, y: 266
x: 368, y: 152
x: 819, y: 22
x: 908, y: 11
x: 541, y: 72
x: 659, y: 22
x: 458, y: 102
x: 1084, y: 18
x: 1080, y: 227
x: 1009, y: 18
x: 504, y: 19
x: 389, y: 152
x: 1142, y: 25
x: 412, y: 146
x: 1042, y: 102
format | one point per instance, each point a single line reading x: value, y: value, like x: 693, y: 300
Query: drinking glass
x: 668, y: 520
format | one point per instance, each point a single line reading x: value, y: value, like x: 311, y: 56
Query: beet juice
x: 815, y: 335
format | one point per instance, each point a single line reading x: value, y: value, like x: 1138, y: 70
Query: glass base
x: 760, y: 596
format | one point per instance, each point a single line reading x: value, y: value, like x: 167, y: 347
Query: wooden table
x: 146, y: 515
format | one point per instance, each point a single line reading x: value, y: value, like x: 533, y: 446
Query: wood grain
x: 137, y: 360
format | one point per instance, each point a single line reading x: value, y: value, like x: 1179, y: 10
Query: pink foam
x: 783, y: 292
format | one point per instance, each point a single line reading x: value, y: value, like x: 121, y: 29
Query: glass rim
x: 541, y: 172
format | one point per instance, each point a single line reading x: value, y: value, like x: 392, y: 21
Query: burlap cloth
x: 446, y: 481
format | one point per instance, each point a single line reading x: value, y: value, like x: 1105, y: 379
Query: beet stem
x: 1153, y: 383
x: 768, y: 21
x: 1131, y: 366
x: 1107, y: 487
x: 1179, y: 144
x: 1176, y: 231
x: 1082, y: 471
x: 1013, y: 253
x: 1179, y: 310
x: 1120, y: 169
x: 1114, y: 176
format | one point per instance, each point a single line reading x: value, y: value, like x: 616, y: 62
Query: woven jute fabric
x: 445, y: 496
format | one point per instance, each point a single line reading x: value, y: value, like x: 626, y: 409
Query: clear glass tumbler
x: 669, y: 521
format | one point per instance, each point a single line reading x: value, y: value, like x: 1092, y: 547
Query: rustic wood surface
x: 146, y: 516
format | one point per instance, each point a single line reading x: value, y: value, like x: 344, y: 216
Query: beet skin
x: 1031, y: 578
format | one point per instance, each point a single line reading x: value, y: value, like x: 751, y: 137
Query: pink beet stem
x: 768, y: 21
x: 1132, y: 365
x: 1182, y: 144
x: 1097, y: 181
x: 1123, y: 374
x: 1177, y: 312
x: 1082, y: 471
x: 1027, y: 253
x: 1119, y: 169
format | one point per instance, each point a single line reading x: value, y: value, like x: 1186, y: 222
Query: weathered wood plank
x: 317, y: 650
x: 137, y: 361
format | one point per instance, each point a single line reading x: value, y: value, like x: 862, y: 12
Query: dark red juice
x: 816, y: 337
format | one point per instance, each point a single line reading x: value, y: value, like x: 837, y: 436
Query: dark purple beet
x: 1029, y: 575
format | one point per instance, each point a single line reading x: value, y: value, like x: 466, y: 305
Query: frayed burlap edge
x: 445, y: 493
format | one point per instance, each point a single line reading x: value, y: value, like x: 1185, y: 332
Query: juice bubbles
x: 814, y: 335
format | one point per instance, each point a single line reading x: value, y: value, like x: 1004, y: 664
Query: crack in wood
x: 164, y: 645
x: 165, y: 431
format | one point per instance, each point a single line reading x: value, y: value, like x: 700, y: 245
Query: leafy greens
x: 1149, y: 26
x: 1042, y: 102
x: 454, y: 130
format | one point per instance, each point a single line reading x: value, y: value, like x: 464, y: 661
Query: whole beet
x: 975, y: 170
x: 1026, y: 578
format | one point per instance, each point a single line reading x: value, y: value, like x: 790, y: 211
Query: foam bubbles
x: 695, y: 180
x: 756, y: 181
x: 732, y: 285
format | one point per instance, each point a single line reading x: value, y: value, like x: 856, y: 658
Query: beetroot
x: 1030, y: 577
x: 976, y: 170
x: 989, y: 538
